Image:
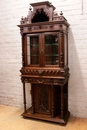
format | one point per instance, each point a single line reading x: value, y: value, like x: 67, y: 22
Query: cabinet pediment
x: 42, y: 12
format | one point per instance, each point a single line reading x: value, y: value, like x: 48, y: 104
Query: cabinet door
x: 43, y: 49
x: 51, y: 43
x: 42, y: 98
x: 33, y: 49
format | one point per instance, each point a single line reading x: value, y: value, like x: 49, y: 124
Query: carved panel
x: 40, y: 27
x: 42, y: 72
x: 43, y: 96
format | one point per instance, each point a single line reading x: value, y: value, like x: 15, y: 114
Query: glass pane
x: 51, y: 49
x: 32, y: 50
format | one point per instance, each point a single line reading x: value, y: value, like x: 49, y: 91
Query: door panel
x: 33, y: 49
x: 42, y: 96
x: 51, y: 49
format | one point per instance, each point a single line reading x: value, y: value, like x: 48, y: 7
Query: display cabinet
x: 45, y: 63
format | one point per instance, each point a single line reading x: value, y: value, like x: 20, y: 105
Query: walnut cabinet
x: 45, y: 63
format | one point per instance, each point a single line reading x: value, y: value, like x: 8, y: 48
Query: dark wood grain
x: 43, y: 63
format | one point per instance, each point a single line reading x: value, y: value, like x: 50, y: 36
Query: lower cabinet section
x: 49, y: 103
x: 42, y: 97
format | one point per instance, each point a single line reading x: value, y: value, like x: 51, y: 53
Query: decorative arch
x: 40, y: 16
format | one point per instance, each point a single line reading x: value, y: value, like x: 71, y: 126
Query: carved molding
x: 41, y: 72
x: 36, y: 28
x: 40, y: 27
x: 44, y: 80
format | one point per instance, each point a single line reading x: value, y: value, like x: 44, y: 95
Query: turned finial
x: 30, y: 8
x: 61, y: 13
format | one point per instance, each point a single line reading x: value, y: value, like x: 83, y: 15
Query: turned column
x: 61, y: 35
x: 52, y: 100
x: 24, y: 95
x: 62, y: 103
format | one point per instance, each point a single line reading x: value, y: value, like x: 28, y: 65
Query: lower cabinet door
x: 42, y: 98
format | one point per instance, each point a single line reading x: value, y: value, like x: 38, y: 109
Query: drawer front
x: 41, y: 81
x: 49, y: 81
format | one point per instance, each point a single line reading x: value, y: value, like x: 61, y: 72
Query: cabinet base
x: 48, y: 118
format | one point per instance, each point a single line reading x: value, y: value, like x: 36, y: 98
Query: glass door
x: 51, y: 49
x: 33, y: 49
x: 42, y: 49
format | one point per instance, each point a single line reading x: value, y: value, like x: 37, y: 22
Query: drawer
x: 50, y: 81
x: 41, y: 81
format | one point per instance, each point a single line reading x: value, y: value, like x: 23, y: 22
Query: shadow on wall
x: 76, y: 84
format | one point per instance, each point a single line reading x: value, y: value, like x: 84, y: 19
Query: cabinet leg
x: 24, y: 95
x: 32, y: 100
x: 62, y: 105
x: 52, y: 101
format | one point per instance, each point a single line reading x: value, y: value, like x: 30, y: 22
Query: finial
x: 30, y: 8
x: 50, y: 3
x: 61, y: 13
x: 22, y: 18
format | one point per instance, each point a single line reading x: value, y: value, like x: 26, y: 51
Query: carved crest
x: 42, y: 12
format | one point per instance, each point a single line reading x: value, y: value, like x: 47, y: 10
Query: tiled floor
x: 10, y: 119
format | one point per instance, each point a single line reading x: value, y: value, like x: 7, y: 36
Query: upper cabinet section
x: 42, y: 17
x: 42, y: 49
x: 44, y: 37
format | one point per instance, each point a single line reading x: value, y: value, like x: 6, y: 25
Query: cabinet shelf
x: 34, y: 45
x: 51, y: 55
x: 51, y: 44
x: 34, y: 55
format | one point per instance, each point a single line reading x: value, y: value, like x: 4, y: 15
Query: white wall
x: 11, y: 12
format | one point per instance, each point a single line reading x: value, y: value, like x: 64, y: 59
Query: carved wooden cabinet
x: 45, y: 63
